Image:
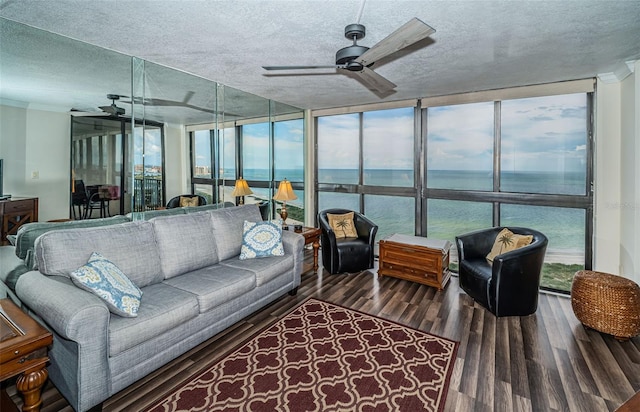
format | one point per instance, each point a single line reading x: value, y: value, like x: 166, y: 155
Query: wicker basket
x: 606, y: 303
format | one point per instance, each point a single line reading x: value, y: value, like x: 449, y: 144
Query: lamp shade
x: 285, y: 192
x: 241, y: 189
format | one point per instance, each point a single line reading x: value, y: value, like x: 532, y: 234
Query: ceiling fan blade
x: 299, y: 67
x: 80, y: 113
x: 409, y: 33
x: 375, y: 80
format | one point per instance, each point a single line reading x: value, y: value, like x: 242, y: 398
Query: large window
x: 388, y: 147
x: 366, y: 162
x: 339, y: 149
x: 544, y: 145
x: 498, y: 158
x: 460, y: 146
x: 537, y: 177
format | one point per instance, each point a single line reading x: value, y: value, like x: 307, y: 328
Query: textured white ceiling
x: 478, y: 45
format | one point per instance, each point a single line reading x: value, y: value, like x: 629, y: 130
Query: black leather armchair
x: 347, y: 254
x: 175, y: 201
x: 509, y: 286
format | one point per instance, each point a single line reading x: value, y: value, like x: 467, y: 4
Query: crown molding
x: 618, y: 75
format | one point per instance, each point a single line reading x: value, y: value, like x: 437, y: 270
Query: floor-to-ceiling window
x: 514, y: 162
x: 366, y: 162
x: 512, y: 158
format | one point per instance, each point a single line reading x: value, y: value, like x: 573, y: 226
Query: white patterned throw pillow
x: 104, y: 279
x: 261, y: 239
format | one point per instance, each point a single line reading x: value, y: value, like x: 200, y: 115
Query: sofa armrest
x: 80, y: 325
x: 70, y: 311
x: 294, y: 244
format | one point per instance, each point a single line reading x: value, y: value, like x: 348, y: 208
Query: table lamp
x: 285, y: 192
x: 241, y: 190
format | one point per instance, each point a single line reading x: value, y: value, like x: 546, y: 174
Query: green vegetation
x: 558, y: 276
x: 295, y: 213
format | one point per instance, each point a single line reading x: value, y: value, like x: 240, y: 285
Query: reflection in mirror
x: 146, y: 164
x: 108, y: 179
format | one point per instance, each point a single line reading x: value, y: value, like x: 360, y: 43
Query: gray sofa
x: 194, y: 286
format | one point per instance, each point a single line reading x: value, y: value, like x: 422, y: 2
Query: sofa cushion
x: 261, y: 239
x: 105, y: 280
x: 185, y: 243
x: 215, y: 285
x: 163, y: 308
x: 131, y: 246
x: 28, y: 233
x: 228, y: 224
x: 265, y: 269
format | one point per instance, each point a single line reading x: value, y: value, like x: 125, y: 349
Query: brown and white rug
x: 324, y: 357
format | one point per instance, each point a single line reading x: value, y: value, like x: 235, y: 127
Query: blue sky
x: 152, y: 147
x: 538, y: 134
x: 387, y: 134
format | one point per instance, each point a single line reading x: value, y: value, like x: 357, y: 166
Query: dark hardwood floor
x: 544, y: 362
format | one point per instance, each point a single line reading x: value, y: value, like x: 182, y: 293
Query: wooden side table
x: 23, y: 351
x: 312, y: 236
x: 15, y: 212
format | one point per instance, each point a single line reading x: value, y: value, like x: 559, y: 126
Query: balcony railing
x: 147, y: 194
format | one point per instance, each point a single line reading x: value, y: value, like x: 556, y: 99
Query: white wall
x: 176, y: 161
x: 37, y: 142
x: 630, y: 176
x: 617, y: 177
x: 607, y: 179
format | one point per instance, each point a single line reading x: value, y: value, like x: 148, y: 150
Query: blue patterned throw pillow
x: 104, y: 279
x: 261, y: 239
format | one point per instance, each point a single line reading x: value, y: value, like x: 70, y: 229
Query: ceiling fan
x: 359, y: 59
x: 111, y: 110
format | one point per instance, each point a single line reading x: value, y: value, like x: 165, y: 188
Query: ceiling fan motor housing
x: 347, y: 54
x: 354, y: 30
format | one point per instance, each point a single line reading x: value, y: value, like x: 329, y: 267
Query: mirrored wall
x: 129, y: 145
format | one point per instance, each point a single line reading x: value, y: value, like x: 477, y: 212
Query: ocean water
x: 564, y: 227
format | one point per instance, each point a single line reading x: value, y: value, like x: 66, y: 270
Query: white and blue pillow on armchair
x: 104, y: 279
x: 261, y: 239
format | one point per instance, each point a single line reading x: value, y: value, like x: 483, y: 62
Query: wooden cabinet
x: 414, y: 258
x: 15, y: 212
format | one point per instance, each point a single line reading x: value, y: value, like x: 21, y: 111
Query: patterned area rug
x: 324, y: 357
